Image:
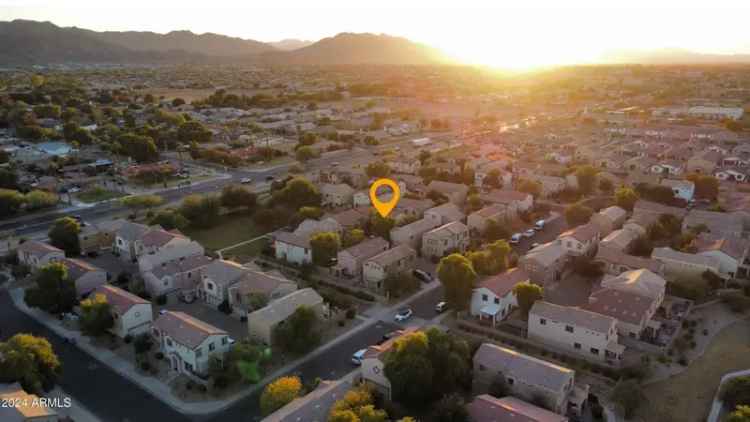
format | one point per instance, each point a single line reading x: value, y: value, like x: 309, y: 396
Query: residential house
x: 351, y: 219
x: 581, y: 240
x: 20, y: 406
x: 731, y: 252
x: 262, y: 322
x: 292, y: 248
x: 515, y: 202
x: 351, y: 259
x: 411, y: 234
x: 681, y: 264
x: 315, y: 405
x: 719, y: 224
x: 609, y: 219
x: 394, y: 261
x: 667, y: 167
x: 526, y: 377
x: 632, y: 311
x: 587, y: 334
x: 483, y: 171
x: 188, y: 343
x: 405, y: 165
x: 128, y: 245
x: 256, y: 289
x: 704, y: 162
x: 86, y: 276
x: 446, y: 239
x: 683, y: 189
x: 478, y: 220
x: 217, y: 278
x: 179, y: 276
x: 455, y: 192
x: 444, y: 214
x: 731, y: 174
x: 493, y: 298
x: 616, y: 261
x: 178, y: 249
x: 486, y: 408
x: 551, y: 185
x: 37, y: 254
x: 642, y: 281
x: 411, y: 208
x: 545, y: 263
x: 373, y: 365
x: 310, y: 227
x: 132, y: 314
x: 338, y: 195
x: 620, y: 240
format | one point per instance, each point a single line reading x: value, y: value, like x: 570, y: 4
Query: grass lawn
x: 97, y: 195
x: 246, y: 252
x: 232, y: 229
x: 687, y: 397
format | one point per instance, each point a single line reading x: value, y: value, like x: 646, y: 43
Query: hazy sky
x: 497, y: 32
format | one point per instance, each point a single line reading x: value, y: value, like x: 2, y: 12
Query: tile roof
x: 673, y: 255
x: 22, y: 405
x: 392, y: 255
x: 367, y: 248
x: 733, y: 247
x: 190, y: 263
x: 625, y: 306
x: 519, y: 366
x: 503, y: 283
x: 582, y: 233
x: 486, y: 408
x: 256, y: 282
x: 618, y: 257
x: 132, y: 231
x: 38, y: 248
x: 291, y: 239
x: 223, y: 272
x: 447, y: 187
x: 185, y: 329
x: 448, y: 210
x: 498, y: 196
x: 159, y: 237
x: 120, y: 299
x: 572, y: 315
x: 455, y: 227
x: 491, y: 211
x: 78, y: 268
x: 546, y: 254
x: 280, y: 309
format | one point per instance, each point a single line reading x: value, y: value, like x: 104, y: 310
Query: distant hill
x: 349, y: 48
x: 290, y: 44
x: 671, y: 56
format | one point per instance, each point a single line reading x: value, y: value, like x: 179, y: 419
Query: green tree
x: 279, y: 393
x: 37, y: 199
x: 451, y: 408
x: 300, y: 333
x: 495, y: 231
x: 169, y: 219
x: 475, y: 202
x: 343, y: 416
x: 586, y: 175
x: 380, y: 226
x: 54, y: 291
x: 740, y: 414
x: 627, y: 395
x: 234, y: 196
x: 305, y: 154
x: 64, y: 235
x: 357, y: 405
x: 296, y: 193
x: 457, y: 275
x: 578, y: 214
x: 313, y: 213
x: 325, y: 246
x: 10, y: 202
x: 378, y: 170
x: 141, y: 202
x: 706, y: 186
x: 531, y: 187
x: 736, y: 391
x: 30, y: 361
x: 526, y: 294
x: 96, y: 315
x: 626, y: 198
x: 193, y: 131
x: 140, y: 148
x: 353, y: 237
x: 606, y: 186
x: 201, y: 211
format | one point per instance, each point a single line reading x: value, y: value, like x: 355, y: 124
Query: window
x: 497, y: 301
x: 198, y: 352
x: 577, y: 346
x: 510, y: 381
x: 484, y: 298
x: 569, y: 328
x: 224, y: 340
x: 210, y: 286
x: 169, y: 342
x: 542, y: 321
x: 594, y: 351
x: 211, y: 347
x: 188, y: 367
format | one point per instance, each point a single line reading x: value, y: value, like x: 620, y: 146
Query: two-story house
x: 545, y: 263
x: 581, y: 240
x: 392, y: 262
x: 262, y: 322
x: 292, y: 248
x: 37, y: 254
x: 132, y: 314
x: 478, y: 221
x: 449, y: 238
x: 350, y: 260
x: 493, y: 298
x: 217, y: 277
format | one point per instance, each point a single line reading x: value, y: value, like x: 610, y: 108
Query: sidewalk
x: 161, y: 390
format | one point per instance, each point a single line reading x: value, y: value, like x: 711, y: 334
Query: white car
x: 529, y: 233
x: 231, y: 340
x: 358, y: 356
x: 539, y: 225
x: 403, y: 314
x: 515, y: 238
x: 441, y: 307
x: 246, y: 180
x: 74, y: 190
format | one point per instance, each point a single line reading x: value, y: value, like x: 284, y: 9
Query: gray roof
x: 486, y: 408
x: 314, y: 406
x: 284, y: 307
x: 223, y: 272
x: 132, y: 231
x: 393, y: 255
x: 185, y: 329
x: 673, y: 255
x: 448, y: 210
x: 574, y: 316
x: 292, y: 239
x: 367, y: 248
x: 523, y: 367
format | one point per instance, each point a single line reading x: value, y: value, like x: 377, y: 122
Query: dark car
x: 424, y: 276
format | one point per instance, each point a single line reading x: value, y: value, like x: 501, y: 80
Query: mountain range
x: 24, y: 42
x: 670, y: 56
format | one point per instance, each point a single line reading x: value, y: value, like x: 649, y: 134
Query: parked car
x: 539, y: 225
x: 246, y: 180
x: 270, y: 178
x: 441, y: 307
x: 529, y: 233
x: 162, y: 312
x: 358, y: 356
x: 515, y: 238
x: 422, y: 275
x: 403, y: 314
x: 389, y: 335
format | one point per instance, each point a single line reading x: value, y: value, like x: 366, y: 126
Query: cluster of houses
x: 174, y: 266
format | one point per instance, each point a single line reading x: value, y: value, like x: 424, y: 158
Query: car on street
x: 74, y: 190
x: 424, y: 276
x: 162, y: 312
x: 539, y: 225
x: 515, y: 238
x: 246, y: 180
x: 358, y: 356
x: 403, y: 314
x: 441, y: 307
x: 270, y: 179
x: 529, y: 233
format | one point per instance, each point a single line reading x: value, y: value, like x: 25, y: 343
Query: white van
x: 539, y: 225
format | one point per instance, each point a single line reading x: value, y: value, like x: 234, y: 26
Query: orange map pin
x: 384, y: 208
